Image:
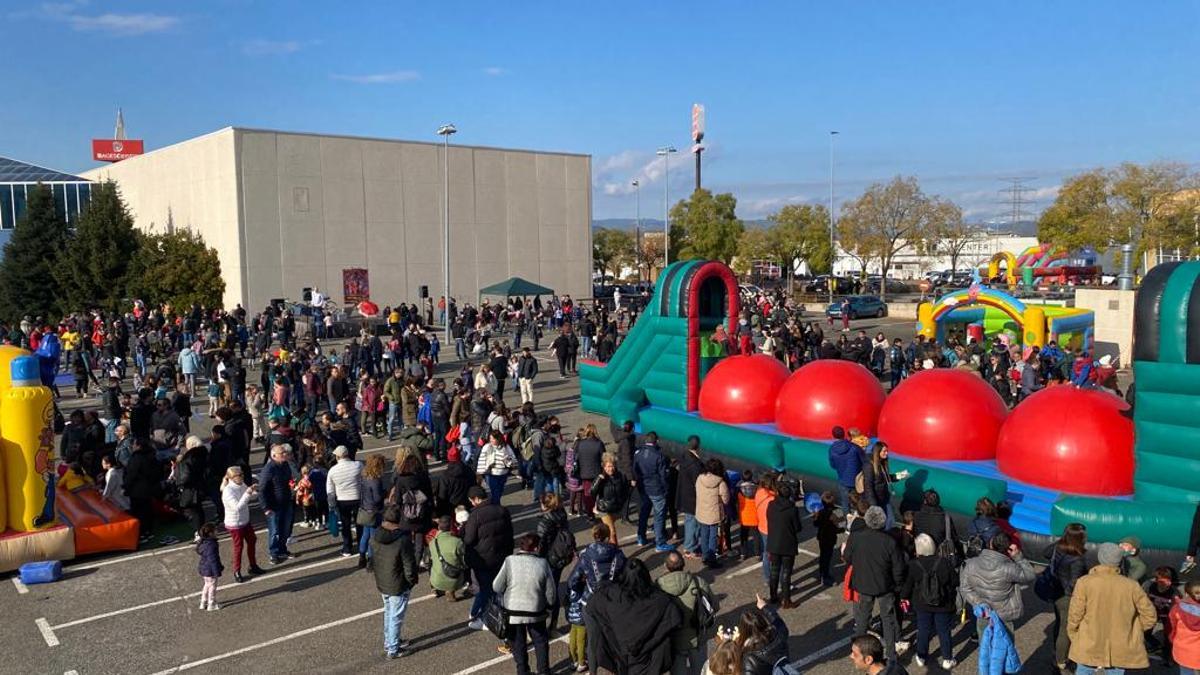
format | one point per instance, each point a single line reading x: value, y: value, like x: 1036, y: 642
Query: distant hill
x: 628, y: 224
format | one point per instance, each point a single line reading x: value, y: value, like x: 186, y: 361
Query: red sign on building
x: 115, y: 150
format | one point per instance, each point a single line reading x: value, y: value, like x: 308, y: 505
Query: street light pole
x: 445, y: 131
x: 637, y: 229
x: 832, y: 220
x: 665, y: 153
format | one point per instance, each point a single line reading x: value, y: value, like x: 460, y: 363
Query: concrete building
x: 910, y: 264
x: 71, y: 193
x: 286, y: 211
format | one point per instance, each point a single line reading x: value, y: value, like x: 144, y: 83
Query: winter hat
x: 1109, y: 554
x: 341, y: 451
x: 875, y: 518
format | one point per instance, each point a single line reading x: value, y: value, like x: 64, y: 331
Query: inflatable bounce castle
x: 37, y: 522
x: 1062, y: 455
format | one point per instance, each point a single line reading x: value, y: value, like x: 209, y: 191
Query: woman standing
x: 712, y: 496
x: 571, y: 467
x: 413, y: 491
x: 878, y: 479
x: 343, y: 485
x: 370, y: 508
x: 496, y: 461
x: 611, y: 489
x: 1067, y: 560
x: 526, y: 585
x: 236, y: 497
x: 934, y: 608
x: 551, y: 523
x: 191, y: 470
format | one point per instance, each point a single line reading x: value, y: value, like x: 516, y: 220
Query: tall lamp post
x: 637, y: 229
x: 445, y: 131
x: 832, y: 220
x: 665, y: 153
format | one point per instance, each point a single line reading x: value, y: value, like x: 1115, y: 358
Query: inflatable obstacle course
x: 1062, y: 455
x: 999, y: 313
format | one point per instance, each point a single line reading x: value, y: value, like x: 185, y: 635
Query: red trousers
x: 243, y: 535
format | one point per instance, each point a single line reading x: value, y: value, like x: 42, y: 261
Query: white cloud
x: 274, y: 47
x: 123, y: 25
x: 380, y: 78
x: 760, y: 208
x: 495, y: 71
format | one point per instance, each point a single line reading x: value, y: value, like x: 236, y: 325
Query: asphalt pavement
x: 137, y: 613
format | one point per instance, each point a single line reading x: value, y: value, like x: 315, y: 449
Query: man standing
x: 846, y: 459
x: 488, y: 537
x: 688, y: 645
x: 650, y: 471
x: 626, y: 447
x: 527, y: 369
x: 878, y: 569
x: 391, y: 393
x: 275, y: 492
x: 1108, y: 617
x: 561, y: 348
x: 395, y: 566
x: 439, y: 412
x: 690, y: 468
x: 499, y: 366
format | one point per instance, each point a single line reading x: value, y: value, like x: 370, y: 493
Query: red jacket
x: 1185, y: 633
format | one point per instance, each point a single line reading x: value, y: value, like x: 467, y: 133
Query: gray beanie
x: 875, y: 518
x: 1109, y: 554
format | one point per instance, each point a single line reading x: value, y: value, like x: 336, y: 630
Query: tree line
x: 51, y: 268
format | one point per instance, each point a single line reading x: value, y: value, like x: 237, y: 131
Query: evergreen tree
x: 27, y: 282
x: 93, y: 270
x: 176, y: 268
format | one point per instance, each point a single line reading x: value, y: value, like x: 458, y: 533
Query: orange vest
x: 763, y: 499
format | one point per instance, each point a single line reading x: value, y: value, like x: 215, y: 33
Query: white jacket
x: 344, y: 481
x: 114, y: 491
x: 236, y: 499
x: 496, y: 460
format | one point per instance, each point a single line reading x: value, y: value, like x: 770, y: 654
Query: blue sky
x: 959, y: 94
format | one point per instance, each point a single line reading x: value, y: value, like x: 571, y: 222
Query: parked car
x: 860, y: 306
x: 893, y: 286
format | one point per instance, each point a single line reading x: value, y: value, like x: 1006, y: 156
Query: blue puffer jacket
x: 846, y: 459
x: 997, y: 652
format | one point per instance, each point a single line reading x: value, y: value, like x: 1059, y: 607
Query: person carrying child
x: 210, y: 566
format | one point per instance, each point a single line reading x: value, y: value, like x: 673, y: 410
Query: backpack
x: 979, y: 541
x: 704, y: 609
x: 413, y: 506
x: 529, y: 444
x: 929, y: 590
x: 947, y: 548
x: 1047, y: 586
x: 562, y: 548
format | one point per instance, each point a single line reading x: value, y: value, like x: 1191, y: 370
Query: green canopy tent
x: 515, y: 286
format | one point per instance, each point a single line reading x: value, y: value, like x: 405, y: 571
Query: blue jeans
x: 394, y: 609
x: 1188, y: 671
x: 543, y: 483
x: 1081, y: 669
x: 279, y: 530
x: 393, y: 416
x: 844, y: 496
x: 110, y: 431
x: 496, y: 487
x: 587, y: 346
x: 659, y: 504
x: 766, y: 561
x: 691, y: 534
x: 708, y: 541
x: 927, y: 623
x: 460, y: 348
x: 364, y: 543
x: 484, y: 578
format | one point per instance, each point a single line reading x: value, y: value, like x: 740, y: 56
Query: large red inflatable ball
x: 943, y: 414
x: 742, y: 389
x: 828, y: 393
x: 1069, y: 439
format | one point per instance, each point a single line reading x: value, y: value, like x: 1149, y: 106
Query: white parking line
x: 744, y: 570
x: 21, y: 588
x: 47, y: 633
x: 281, y: 573
x: 822, y: 652
x: 501, y: 659
x: 71, y: 672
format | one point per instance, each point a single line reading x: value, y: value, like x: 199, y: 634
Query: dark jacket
x: 931, y: 520
x: 416, y: 482
x: 846, y: 459
x: 371, y: 495
x: 548, y: 527
x: 633, y: 635
x: 527, y: 367
x: 690, y: 468
x: 878, y: 563
x: 600, y: 557
x: 610, y: 492
x: 761, y: 659
x: 488, y: 535
x: 191, y: 475
x: 273, y: 485
x: 395, y: 561
x: 143, y: 475
x: 550, y: 460
x: 783, y: 527
x: 627, y: 445
x: 210, y: 558
x: 650, y: 471
x: 451, y: 489
x: 587, y: 456
x: 1068, y: 567
x: 877, y: 486
x: 940, y: 568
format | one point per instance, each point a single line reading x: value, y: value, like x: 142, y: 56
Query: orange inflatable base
x: 18, y: 548
x: 98, y: 524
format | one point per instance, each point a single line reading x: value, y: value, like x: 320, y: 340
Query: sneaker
x: 664, y: 548
x: 203, y: 605
x: 918, y: 661
x: 902, y: 646
x: 475, y: 624
x: 276, y: 561
x: 948, y: 664
x: 641, y: 541
x: 581, y: 668
x: 214, y: 607
x: 504, y: 648
x: 347, y: 554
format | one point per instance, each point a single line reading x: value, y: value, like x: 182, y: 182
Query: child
x: 303, y: 492
x: 1185, y: 628
x: 210, y: 566
x: 74, y: 478
x: 748, y: 515
x: 214, y: 398
x: 320, y: 499
x: 826, y: 521
x: 1162, y: 592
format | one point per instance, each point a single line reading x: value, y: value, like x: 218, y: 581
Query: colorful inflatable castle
x: 987, y: 312
x: 41, y: 522
x: 1062, y: 455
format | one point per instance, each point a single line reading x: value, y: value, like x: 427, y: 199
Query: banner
x: 115, y: 150
x: 356, y: 286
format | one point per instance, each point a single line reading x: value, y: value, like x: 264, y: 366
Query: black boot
x: 362, y: 561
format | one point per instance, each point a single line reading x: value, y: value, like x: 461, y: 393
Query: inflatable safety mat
x: 99, y: 525
x: 18, y: 548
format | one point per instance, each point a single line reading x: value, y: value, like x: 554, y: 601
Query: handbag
x: 496, y: 617
x: 1046, y: 586
x: 365, y: 518
x: 453, y: 571
x: 848, y: 592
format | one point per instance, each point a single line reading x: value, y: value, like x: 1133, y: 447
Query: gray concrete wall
x: 1114, y: 320
x: 288, y: 210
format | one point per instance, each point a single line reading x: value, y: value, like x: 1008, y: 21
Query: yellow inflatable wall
x: 27, y: 447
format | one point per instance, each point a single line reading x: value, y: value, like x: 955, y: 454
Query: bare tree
x: 886, y: 221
